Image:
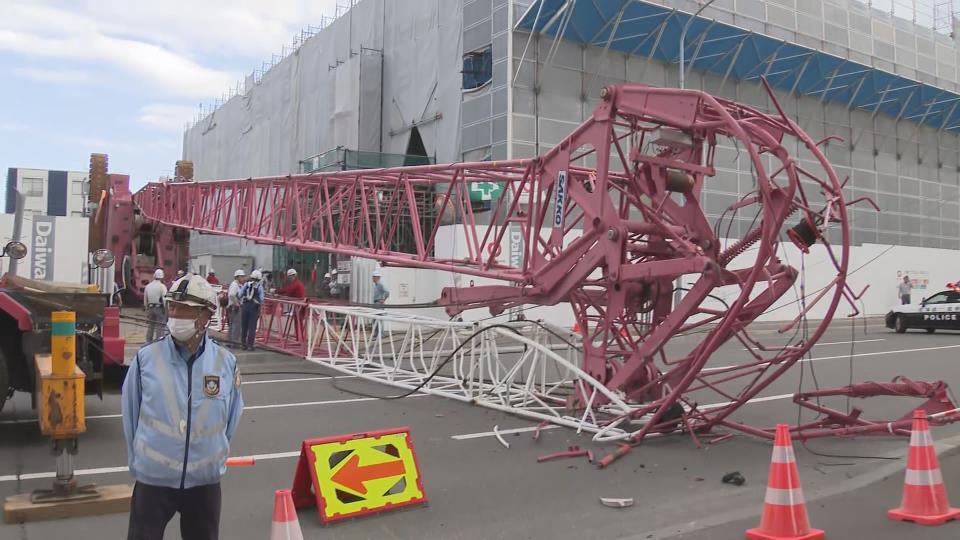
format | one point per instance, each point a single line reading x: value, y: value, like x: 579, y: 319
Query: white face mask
x: 182, y: 329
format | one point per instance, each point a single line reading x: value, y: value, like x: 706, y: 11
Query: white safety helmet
x: 291, y: 272
x: 326, y: 275
x: 239, y: 273
x: 256, y: 275
x: 334, y: 272
x: 376, y: 273
x: 159, y: 274
x: 193, y: 291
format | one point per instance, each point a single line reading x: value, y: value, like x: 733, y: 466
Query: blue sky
x: 122, y: 77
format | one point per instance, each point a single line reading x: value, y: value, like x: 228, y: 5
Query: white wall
x: 68, y: 251
x: 875, y: 265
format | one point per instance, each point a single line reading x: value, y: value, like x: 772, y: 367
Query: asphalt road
x: 479, y: 489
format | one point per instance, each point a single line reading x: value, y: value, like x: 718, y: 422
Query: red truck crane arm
x: 610, y: 219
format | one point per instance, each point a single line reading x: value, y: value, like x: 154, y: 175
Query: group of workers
x: 243, y: 300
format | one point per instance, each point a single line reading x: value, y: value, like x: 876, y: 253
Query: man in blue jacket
x: 251, y: 298
x: 181, y: 404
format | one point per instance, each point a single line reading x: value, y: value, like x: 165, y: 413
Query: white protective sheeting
x: 331, y: 93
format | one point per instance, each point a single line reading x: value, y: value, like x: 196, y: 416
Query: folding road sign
x: 358, y: 474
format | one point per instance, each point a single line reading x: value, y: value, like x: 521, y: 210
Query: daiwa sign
x: 41, y: 250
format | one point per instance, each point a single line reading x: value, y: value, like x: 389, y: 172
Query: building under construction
x: 392, y: 83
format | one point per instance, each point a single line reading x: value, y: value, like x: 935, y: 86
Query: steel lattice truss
x: 610, y: 218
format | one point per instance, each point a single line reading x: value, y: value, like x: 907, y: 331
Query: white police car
x: 940, y: 311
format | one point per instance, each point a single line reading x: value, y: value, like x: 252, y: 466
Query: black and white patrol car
x: 940, y: 311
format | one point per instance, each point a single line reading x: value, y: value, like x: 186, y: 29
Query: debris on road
x: 572, y: 451
x: 734, y: 478
x: 496, y: 431
x: 616, y: 503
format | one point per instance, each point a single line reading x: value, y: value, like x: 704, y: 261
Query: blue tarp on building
x: 640, y: 28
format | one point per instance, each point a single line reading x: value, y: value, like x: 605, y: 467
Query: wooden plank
x: 113, y: 499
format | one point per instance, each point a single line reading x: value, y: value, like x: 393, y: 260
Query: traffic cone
x: 784, y: 511
x: 924, y: 495
x: 285, y: 524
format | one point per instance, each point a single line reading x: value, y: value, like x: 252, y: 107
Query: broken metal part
x: 616, y: 503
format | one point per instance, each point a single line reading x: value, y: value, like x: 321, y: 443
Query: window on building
x: 477, y: 68
x: 32, y: 187
x: 79, y: 187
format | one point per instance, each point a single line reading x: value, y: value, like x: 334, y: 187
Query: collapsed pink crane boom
x: 610, y: 219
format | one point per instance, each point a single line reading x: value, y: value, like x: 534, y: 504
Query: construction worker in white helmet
x: 251, y: 298
x: 181, y: 404
x: 153, y: 295
x: 233, y: 307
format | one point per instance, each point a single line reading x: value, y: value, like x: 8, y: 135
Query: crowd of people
x: 241, y: 301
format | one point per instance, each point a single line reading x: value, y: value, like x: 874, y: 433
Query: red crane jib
x: 608, y: 221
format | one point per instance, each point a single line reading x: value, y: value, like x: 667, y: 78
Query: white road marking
x: 818, y: 344
x: 482, y: 434
x: 754, y: 400
x: 113, y: 470
x: 858, y: 355
x: 247, y: 408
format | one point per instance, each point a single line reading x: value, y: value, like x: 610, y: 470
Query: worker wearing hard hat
x: 153, y: 295
x: 251, y: 298
x: 181, y: 404
x: 323, y: 289
x: 294, y: 287
x: 233, y: 307
x: 380, y: 292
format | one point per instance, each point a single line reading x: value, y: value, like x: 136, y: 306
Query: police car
x: 940, y: 311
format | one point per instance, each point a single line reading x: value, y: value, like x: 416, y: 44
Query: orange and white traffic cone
x: 784, y: 510
x: 924, y: 495
x: 285, y: 525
